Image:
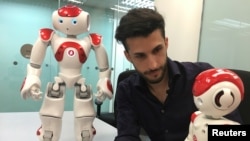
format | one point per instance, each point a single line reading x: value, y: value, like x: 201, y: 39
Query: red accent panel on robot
x: 109, y: 86
x: 38, y: 132
x: 23, y: 84
x: 194, y: 115
x: 65, y: 45
x: 46, y: 33
x: 69, y: 11
x: 93, y: 130
x: 210, y: 77
x: 95, y: 38
x: 194, y: 138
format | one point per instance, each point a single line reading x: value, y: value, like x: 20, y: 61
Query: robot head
x: 71, y: 20
x: 217, y: 92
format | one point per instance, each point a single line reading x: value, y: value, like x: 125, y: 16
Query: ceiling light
x: 76, y: 1
x: 126, y: 5
x: 118, y: 10
x: 138, y: 3
x: 231, y: 23
x: 122, y: 7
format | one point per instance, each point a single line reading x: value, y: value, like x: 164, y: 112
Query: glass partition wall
x: 225, y: 34
x: 20, y: 23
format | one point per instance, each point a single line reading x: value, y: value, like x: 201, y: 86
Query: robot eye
x: 217, y: 98
x: 224, y: 99
x: 74, y: 21
x: 60, y: 21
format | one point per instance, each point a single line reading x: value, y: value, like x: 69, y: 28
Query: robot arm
x: 191, y: 136
x: 32, y: 83
x: 104, y: 86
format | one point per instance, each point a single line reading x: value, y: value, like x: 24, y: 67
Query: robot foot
x: 46, y: 136
x: 86, y: 134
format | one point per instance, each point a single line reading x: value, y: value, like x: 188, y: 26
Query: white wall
x: 183, y: 22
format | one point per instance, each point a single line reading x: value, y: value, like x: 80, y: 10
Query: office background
x: 213, y: 31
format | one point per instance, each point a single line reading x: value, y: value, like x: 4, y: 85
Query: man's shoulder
x: 194, y: 65
x: 204, y: 65
x: 174, y: 64
x: 132, y: 78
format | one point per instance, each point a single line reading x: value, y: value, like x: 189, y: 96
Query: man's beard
x: 157, y: 80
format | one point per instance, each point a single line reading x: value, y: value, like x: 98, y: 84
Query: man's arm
x: 127, y: 122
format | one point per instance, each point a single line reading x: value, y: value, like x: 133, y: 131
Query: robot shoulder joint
x: 46, y: 34
x: 195, y: 115
x: 95, y: 39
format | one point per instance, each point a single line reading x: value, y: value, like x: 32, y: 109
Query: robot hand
x: 104, y: 89
x: 31, y: 88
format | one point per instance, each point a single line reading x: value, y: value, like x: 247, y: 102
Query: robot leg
x: 51, y: 113
x: 84, y: 113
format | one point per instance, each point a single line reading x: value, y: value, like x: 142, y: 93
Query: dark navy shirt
x: 137, y: 107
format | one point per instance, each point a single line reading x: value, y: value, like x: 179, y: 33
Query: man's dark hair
x: 139, y: 22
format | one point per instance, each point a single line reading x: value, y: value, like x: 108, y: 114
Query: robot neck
x: 71, y: 36
x: 211, y: 117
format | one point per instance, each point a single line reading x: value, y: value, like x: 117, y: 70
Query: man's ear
x: 127, y: 55
x: 166, y: 42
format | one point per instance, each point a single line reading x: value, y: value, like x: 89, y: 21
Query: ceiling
x: 106, y: 4
x: 101, y: 3
x: 95, y: 3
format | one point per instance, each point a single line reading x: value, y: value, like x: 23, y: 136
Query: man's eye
x: 139, y: 56
x: 157, y: 50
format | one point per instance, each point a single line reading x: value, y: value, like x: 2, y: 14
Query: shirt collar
x: 173, y: 69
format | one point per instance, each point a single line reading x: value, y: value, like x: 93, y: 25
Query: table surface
x: 22, y: 126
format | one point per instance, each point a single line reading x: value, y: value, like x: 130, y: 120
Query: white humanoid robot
x: 217, y: 92
x: 70, y: 53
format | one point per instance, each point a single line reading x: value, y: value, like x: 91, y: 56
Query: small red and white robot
x: 217, y: 92
x: 70, y: 53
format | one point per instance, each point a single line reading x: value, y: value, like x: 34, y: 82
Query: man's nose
x: 152, y: 62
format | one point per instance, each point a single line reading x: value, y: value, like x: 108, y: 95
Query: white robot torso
x: 70, y: 53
